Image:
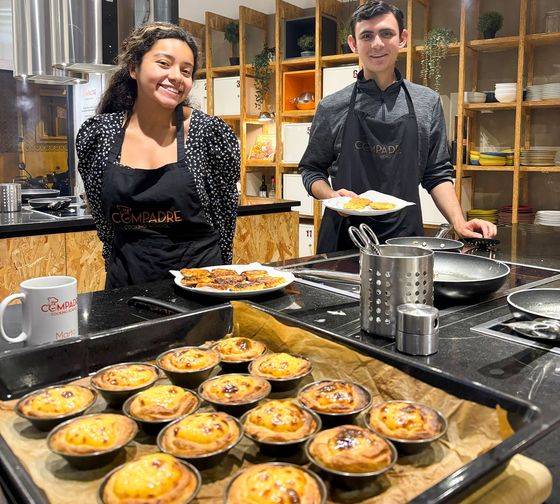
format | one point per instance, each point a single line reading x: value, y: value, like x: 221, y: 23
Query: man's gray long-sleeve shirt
x: 325, y: 141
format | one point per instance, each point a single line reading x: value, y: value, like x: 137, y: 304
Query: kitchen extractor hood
x: 62, y: 41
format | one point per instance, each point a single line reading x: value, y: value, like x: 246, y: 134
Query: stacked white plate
x: 474, y: 97
x: 548, y: 217
x: 538, y: 156
x: 551, y: 91
x: 534, y: 92
x: 505, y: 91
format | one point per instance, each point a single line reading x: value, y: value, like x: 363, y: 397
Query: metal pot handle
x: 444, y: 230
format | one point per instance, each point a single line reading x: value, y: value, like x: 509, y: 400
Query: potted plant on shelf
x: 262, y: 74
x: 436, y: 45
x: 231, y: 34
x: 346, y: 8
x: 307, y: 45
x: 489, y: 23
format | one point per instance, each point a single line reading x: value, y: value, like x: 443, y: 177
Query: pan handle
x: 444, y: 230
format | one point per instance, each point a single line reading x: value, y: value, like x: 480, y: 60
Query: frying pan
x: 456, y: 276
x: 49, y: 203
x: 27, y: 194
x: 427, y: 243
x: 463, y: 277
x: 535, y: 303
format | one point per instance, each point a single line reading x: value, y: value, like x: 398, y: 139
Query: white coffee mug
x: 50, y: 310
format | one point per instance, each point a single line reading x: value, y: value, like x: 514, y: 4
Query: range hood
x: 63, y: 41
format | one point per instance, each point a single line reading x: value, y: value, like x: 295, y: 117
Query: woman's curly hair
x: 122, y: 90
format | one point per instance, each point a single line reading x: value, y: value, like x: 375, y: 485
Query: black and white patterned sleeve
x: 225, y: 160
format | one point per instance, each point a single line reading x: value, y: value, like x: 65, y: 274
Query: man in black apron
x: 390, y: 138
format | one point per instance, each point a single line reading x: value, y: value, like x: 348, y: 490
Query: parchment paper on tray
x: 473, y: 428
x: 337, y: 204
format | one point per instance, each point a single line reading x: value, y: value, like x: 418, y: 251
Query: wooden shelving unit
x: 467, y: 51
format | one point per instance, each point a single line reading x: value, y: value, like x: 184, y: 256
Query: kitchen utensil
x: 417, y: 329
x: 364, y: 238
x: 49, y: 203
x: 427, y: 243
x: 398, y: 275
x: 539, y: 328
x: 533, y: 303
x: 27, y: 194
x: 305, y: 100
x: 461, y: 276
x: 10, y: 198
x: 481, y: 243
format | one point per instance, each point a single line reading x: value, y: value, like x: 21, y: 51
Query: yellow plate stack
x: 490, y: 215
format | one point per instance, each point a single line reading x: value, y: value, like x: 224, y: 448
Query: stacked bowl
x: 538, y: 156
x: 505, y: 92
x: 474, y: 157
x: 493, y: 158
x: 474, y: 97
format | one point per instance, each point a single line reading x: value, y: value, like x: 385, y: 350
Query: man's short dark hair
x: 374, y: 8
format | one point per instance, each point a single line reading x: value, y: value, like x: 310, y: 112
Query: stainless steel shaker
x: 417, y: 329
x: 10, y: 197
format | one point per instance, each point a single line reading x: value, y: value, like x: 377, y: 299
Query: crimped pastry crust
x: 404, y: 420
x: 156, y: 478
x: 57, y: 401
x: 331, y: 396
x: 163, y: 402
x: 349, y: 448
x: 235, y: 389
x: 279, y: 365
x: 92, y: 434
x: 186, y: 360
x: 274, y: 484
x: 237, y: 349
x: 125, y: 377
x: 278, y: 421
x: 200, y: 434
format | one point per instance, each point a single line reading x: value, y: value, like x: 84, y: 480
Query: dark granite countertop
x: 29, y: 222
x: 529, y: 373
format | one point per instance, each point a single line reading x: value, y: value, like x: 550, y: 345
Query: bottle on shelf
x: 272, y: 190
x: 263, y: 191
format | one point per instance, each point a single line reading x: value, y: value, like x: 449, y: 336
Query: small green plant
x: 436, y: 45
x: 262, y: 73
x: 306, y: 42
x: 346, y: 8
x: 489, y: 23
x: 231, y: 34
x: 343, y: 31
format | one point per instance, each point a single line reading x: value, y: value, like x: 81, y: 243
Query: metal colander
x: 399, y: 275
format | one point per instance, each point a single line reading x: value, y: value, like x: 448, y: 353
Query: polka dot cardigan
x: 211, y: 154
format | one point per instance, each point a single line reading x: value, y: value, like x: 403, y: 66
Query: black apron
x: 157, y: 219
x: 380, y: 156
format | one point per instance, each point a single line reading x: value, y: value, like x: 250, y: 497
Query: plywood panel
x: 84, y: 260
x: 28, y: 257
x: 266, y: 238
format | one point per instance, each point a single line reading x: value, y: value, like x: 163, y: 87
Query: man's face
x: 377, y: 42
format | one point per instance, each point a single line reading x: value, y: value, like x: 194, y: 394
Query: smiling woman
x: 148, y: 154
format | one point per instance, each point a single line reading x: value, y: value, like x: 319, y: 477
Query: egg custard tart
x: 125, y: 377
x: 351, y: 449
x: 157, y: 478
x: 56, y: 401
x: 275, y: 484
x: 238, y: 349
x: 200, y: 434
x: 235, y: 389
x: 189, y: 359
x: 280, y: 366
x: 92, y: 434
x: 405, y: 420
x: 334, y: 396
x: 162, y: 402
x: 279, y: 421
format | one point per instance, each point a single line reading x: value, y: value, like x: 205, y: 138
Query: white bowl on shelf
x: 505, y: 97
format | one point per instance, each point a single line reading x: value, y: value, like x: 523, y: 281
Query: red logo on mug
x: 57, y: 307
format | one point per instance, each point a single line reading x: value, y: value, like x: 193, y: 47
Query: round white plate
x: 238, y: 268
x: 337, y: 204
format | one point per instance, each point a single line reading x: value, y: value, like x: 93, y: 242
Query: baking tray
x: 68, y: 361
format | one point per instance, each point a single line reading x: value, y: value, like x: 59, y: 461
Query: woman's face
x: 164, y: 76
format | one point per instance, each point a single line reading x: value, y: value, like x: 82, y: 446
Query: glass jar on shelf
x: 552, y: 21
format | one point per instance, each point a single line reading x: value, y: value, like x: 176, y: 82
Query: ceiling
x: 194, y: 10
